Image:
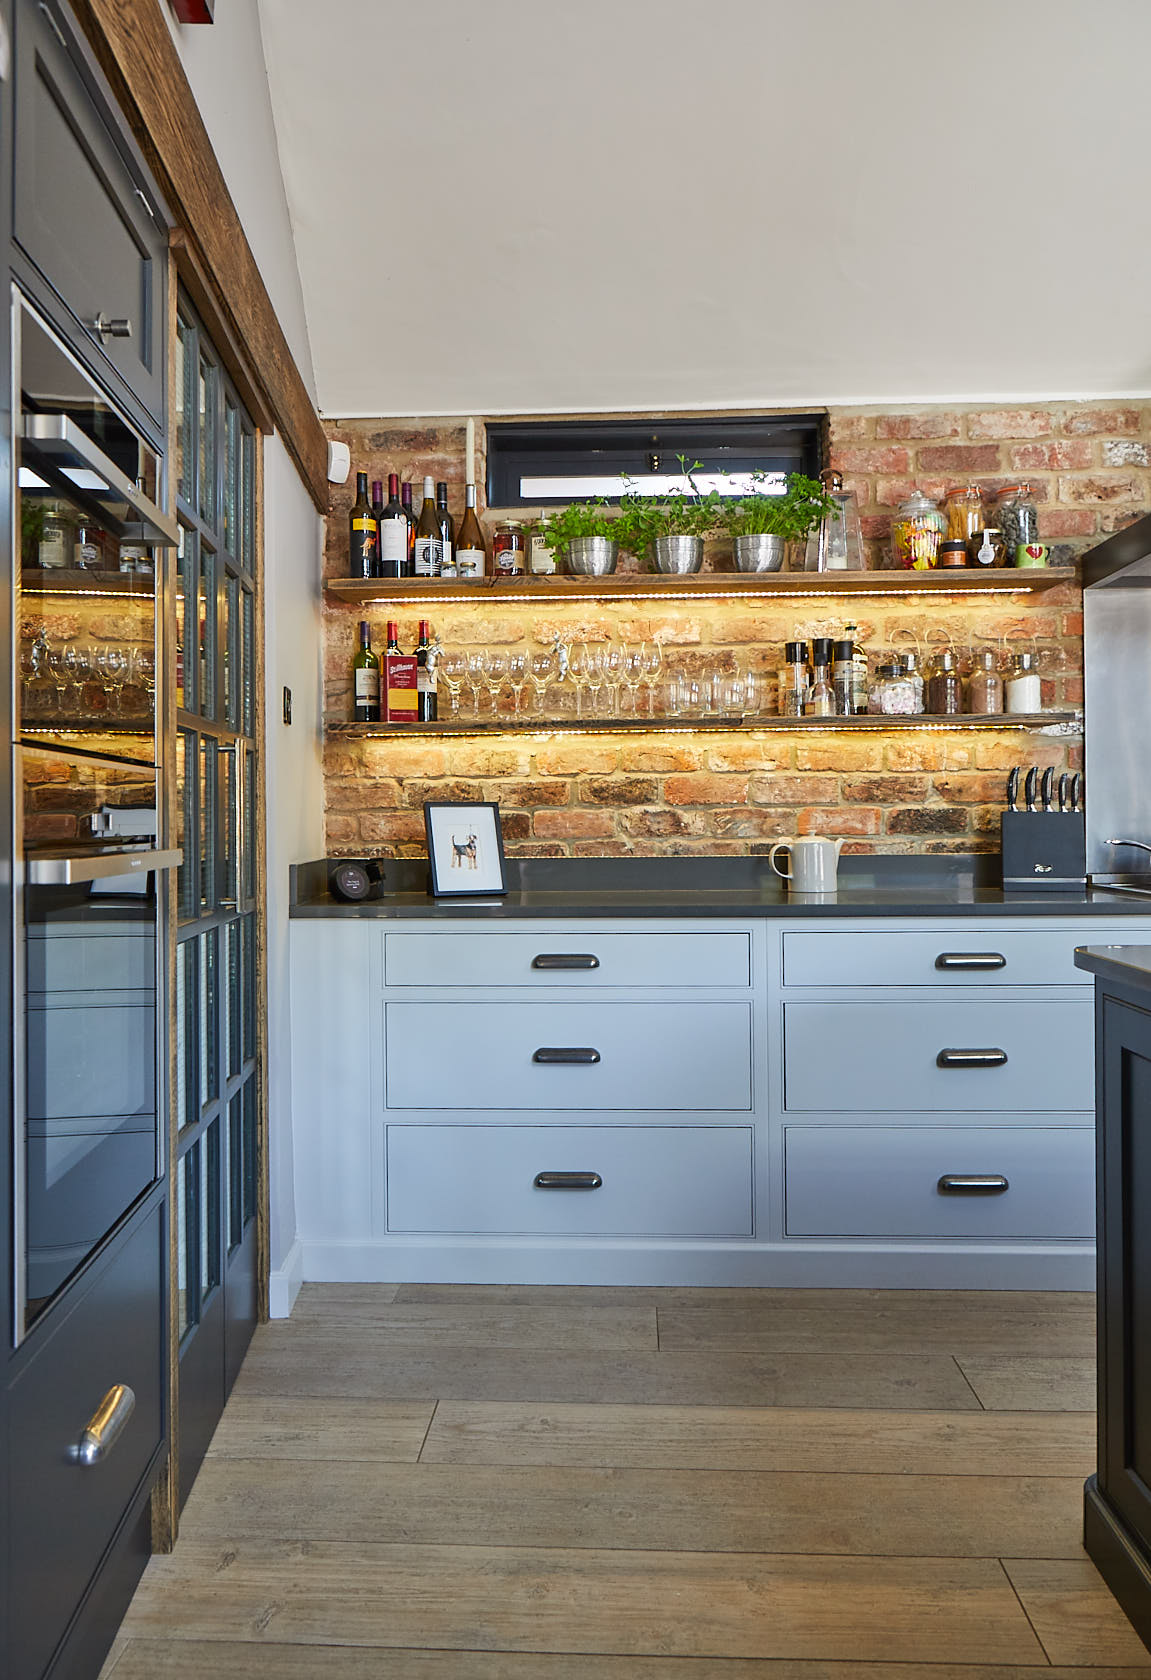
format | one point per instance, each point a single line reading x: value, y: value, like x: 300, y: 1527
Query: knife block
x: 1044, y: 849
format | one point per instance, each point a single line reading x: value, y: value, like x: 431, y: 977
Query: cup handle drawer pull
x: 971, y: 1058
x: 565, y: 959
x: 104, y: 1427
x: 563, y: 1055
x: 970, y: 960
x: 972, y: 1184
x: 568, y: 1181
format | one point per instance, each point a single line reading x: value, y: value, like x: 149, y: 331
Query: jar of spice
x: 916, y: 533
x: 1023, y: 689
x: 964, y: 511
x: 793, y: 679
x: 843, y: 677
x: 985, y: 686
x: 892, y: 693
x: 945, y: 687
x: 509, y: 550
x: 1017, y: 517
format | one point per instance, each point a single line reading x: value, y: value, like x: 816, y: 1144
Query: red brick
x: 1066, y: 522
x: 794, y: 790
x: 1101, y: 487
x: 837, y: 820
x: 1051, y: 457
x: 1009, y: 423
x: 927, y: 819
x: 377, y: 830
x: 536, y: 848
x: 602, y: 848
x: 355, y: 795
x: 930, y: 425
x: 876, y: 525
x: 962, y: 788
x: 1098, y: 422
x: 572, y: 825
x: 863, y: 460
x: 1117, y: 519
x: 661, y: 824
x: 618, y: 790
x: 341, y: 831
x: 416, y: 792
x: 530, y: 794
x: 742, y: 824
x: 959, y: 458
x: 661, y: 760
x: 705, y: 790
x: 850, y: 428
x: 884, y: 790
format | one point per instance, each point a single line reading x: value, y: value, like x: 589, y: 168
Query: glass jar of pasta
x: 916, y: 533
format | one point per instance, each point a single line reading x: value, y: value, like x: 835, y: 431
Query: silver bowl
x: 677, y: 554
x: 759, y: 553
x: 592, y: 556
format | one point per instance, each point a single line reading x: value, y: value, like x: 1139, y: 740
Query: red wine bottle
x: 395, y: 533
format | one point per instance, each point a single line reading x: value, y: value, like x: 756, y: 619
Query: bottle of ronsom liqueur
x: 400, y: 681
x: 471, y: 553
x: 427, y: 705
x: 364, y: 534
x: 395, y: 533
x: 429, y: 543
x: 447, y: 532
x: 365, y: 680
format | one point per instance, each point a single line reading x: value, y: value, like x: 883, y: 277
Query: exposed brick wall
x: 594, y: 795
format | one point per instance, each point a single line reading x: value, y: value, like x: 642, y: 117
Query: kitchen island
x: 668, y: 1071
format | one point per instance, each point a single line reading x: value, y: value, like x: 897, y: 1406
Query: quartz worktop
x: 945, y: 885
x: 1130, y: 965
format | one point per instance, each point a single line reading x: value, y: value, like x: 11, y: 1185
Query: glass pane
x: 206, y: 614
x: 188, y: 875
x: 235, y: 1170
x: 232, y: 667
x: 187, y: 1033
x: 251, y: 1150
x: 209, y: 858
x: 187, y: 582
x: 210, y: 1212
x: 249, y: 968
x: 248, y: 861
x: 188, y: 1237
x: 231, y: 473
x: 248, y: 512
x: 247, y: 666
x: 206, y: 421
x: 231, y: 834
x: 235, y: 1000
x: 209, y: 1017
x: 185, y: 411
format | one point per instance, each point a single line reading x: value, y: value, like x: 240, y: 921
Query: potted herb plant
x: 670, y: 527
x: 760, y: 525
x: 586, y: 534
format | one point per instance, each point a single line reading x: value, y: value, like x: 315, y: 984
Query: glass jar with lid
x: 509, y: 550
x: 984, y: 685
x: 1023, y: 688
x: 916, y: 533
x: 1017, y: 518
x: 964, y: 511
x: 892, y: 692
x: 945, y: 687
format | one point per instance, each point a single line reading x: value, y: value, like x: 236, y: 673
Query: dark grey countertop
x: 944, y: 885
x: 1129, y: 964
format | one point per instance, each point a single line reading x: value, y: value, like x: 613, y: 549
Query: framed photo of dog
x: 465, y: 849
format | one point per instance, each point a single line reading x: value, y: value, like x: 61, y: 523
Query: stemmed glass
x: 475, y: 680
x: 113, y: 665
x: 579, y: 670
x: 541, y: 672
x: 59, y: 675
x: 650, y: 664
x: 613, y: 658
x: 495, y: 670
x: 633, y: 675
x: 143, y: 675
x: 77, y: 667
x: 454, y: 669
x: 517, y: 677
x: 596, y: 675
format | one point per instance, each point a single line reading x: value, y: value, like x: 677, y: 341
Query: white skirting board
x: 284, y: 1283
x: 1068, y: 1266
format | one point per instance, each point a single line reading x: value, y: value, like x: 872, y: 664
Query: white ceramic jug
x: 814, y: 863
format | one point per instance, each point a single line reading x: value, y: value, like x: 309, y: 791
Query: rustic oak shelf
x: 1065, y: 722
x: 696, y: 586
x: 69, y: 581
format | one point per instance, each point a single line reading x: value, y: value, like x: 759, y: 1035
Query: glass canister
x: 1023, y: 688
x: 985, y: 686
x: 509, y: 550
x: 836, y: 543
x: 793, y: 679
x: 944, y: 696
x: 987, y: 547
x: 916, y: 533
x: 909, y: 662
x: 1017, y: 518
x: 892, y: 693
x: 964, y: 512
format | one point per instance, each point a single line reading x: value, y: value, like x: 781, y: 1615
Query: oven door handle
x: 67, y: 871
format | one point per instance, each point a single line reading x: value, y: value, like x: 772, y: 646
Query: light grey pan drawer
x: 954, y: 1056
x: 551, y: 1055
x: 935, y: 1181
x: 958, y: 958
x: 593, y: 1181
x: 583, y: 959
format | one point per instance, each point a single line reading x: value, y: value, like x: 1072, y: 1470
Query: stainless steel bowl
x: 677, y: 554
x: 760, y: 553
x: 592, y: 556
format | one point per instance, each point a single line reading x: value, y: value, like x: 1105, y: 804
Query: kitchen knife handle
x: 1064, y: 787
x: 1029, y: 787
x: 1048, y: 790
x: 1076, y: 790
x: 1013, y: 789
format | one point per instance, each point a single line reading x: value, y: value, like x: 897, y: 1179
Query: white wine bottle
x: 429, y: 542
x: 471, y: 554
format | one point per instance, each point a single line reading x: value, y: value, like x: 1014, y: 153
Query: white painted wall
x: 295, y: 800
x: 519, y: 206
x: 224, y: 64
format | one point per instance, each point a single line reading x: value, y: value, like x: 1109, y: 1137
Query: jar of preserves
x: 985, y: 686
x: 945, y: 687
x: 916, y: 533
x: 964, y: 510
x: 987, y: 547
x: 892, y: 693
x: 509, y: 550
x: 1017, y: 517
x: 952, y: 552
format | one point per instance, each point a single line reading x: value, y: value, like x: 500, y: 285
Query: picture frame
x: 465, y: 848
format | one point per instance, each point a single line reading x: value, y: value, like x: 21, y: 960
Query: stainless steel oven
x: 92, y: 857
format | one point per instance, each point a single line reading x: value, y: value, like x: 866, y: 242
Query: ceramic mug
x: 813, y: 863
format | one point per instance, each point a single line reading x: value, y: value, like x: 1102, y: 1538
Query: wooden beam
x: 135, y: 50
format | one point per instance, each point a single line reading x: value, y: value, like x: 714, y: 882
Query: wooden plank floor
x: 432, y: 1482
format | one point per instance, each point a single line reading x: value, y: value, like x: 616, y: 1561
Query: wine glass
x: 455, y: 669
x: 142, y: 666
x: 475, y: 675
x: 633, y: 675
x: 58, y: 675
x: 579, y: 670
x: 596, y: 675
x: 613, y: 674
x: 541, y: 672
x: 495, y: 670
x: 517, y: 677
x: 651, y: 663
x: 113, y: 662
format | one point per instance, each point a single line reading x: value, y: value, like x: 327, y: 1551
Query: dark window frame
x: 610, y: 447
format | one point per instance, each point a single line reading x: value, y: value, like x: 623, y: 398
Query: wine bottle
x: 427, y: 705
x: 410, y: 514
x: 471, y: 555
x: 447, y: 532
x: 395, y: 533
x: 366, y: 680
x: 377, y: 498
x: 429, y: 543
x: 364, y: 544
x: 400, y: 680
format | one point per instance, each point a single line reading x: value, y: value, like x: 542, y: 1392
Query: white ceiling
x: 531, y: 205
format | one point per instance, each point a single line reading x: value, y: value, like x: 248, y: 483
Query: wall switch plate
x: 287, y: 705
